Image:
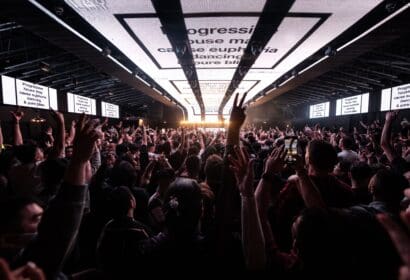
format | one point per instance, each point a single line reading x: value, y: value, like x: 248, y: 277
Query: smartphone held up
x: 291, y: 146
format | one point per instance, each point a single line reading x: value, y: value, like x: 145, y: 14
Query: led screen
x: 352, y: 105
x: 395, y: 98
x: 218, y: 33
x: 110, y: 110
x: 80, y: 104
x: 26, y: 94
x: 320, y: 110
x: 8, y: 86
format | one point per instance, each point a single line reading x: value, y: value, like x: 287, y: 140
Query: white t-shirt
x: 348, y: 155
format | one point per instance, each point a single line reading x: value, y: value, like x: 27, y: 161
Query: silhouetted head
x: 346, y: 143
x: 321, y: 156
x: 123, y: 174
x: 388, y: 186
x: 20, y: 215
x: 193, y: 164
x: 213, y: 168
x: 122, y: 202
x: 183, y: 207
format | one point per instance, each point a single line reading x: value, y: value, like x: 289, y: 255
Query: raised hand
x: 28, y: 271
x: 57, y: 116
x: 84, y: 141
x: 242, y: 167
x: 105, y: 122
x: 391, y: 116
x: 49, y: 130
x: 238, y: 111
x: 276, y: 161
x: 17, y: 115
x: 299, y: 164
x: 17, y: 136
x: 98, y: 128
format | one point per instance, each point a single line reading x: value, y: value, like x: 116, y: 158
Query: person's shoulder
x: 290, y: 190
x: 341, y: 188
x: 293, y: 179
x: 337, y: 182
x: 154, y: 199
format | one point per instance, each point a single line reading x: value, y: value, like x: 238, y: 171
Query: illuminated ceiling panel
x: 218, y: 33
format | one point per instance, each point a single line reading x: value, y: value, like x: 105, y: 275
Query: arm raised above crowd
x: 307, y: 189
x: 71, y: 133
x: 236, y: 120
x: 252, y: 237
x: 61, y: 221
x: 267, y: 189
x: 385, y: 141
x: 18, y: 137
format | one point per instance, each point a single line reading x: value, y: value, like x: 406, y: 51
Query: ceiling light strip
x: 53, y: 16
x: 271, y: 17
x: 172, y: 20
x: 119, y: 63
x: 405, y: 7
x: 313, y: 65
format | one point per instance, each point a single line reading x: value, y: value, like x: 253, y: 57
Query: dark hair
x: 121, y: 149
x: 320, y: 240
x: 322, y: 155
x: 360, y: 171
x: 183, y: 207
x: 120, y: 201
x: 176, y: 159
x: 165, y: 148
x: 165, y: 173
x: 389, y: 187
x: 123, y: 174
x: 52, y: 171
x: 209, y: 151
x: 329, y: 240
x: 193, y: 150
x: 10, y: 212
x: 193, y: 164
x: 213, y: 168
x: 26, y: 153
x: 133, y: 148
x: 6, y: 160
x: 347, y: 143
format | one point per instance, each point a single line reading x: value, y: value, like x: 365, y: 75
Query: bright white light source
x: 218, y: 32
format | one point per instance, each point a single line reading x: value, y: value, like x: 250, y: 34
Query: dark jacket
x: 118, y: 247
x: 57, y: 231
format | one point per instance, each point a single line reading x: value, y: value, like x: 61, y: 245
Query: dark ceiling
x: 383, y: 67
x: 34, y: 48
x: 26, y: 56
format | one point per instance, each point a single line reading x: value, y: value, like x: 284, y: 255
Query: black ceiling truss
x: 271, y: 17
x: 388, y: 32
x: 173, y: 25
x: 383, y: 67
x: 25, y: 56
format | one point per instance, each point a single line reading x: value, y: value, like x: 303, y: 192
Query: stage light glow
x: 218, y: 33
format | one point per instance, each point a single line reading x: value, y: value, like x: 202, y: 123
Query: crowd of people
x: 100, y: 201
